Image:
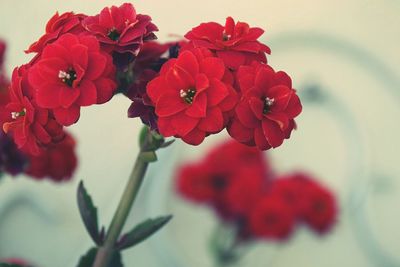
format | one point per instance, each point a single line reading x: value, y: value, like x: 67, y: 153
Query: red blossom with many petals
x: 265, y: 114
x: 271, y: 218
x: 31, y: 126
x: 120, y: 29
x: 68, y: 22
x: 72, y: 72
x: 190, y: 97
x: 236, y: 44
x: 57, y: 163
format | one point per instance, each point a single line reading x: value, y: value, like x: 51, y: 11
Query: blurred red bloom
x: 31, y: 126
x: 271, y: 218
x: 265, y: 114
x: 67, y: 22
x: 247, y: 188
x: 236, y: 44
x: 72, y: 72
x: 57, y: 162
x: 238, y: 156
x: 196, y: 184
x: 120, y: 29
x: 189, y: 97
x: 320, y: 210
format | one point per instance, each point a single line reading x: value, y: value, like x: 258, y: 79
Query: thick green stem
x: 106, y: 251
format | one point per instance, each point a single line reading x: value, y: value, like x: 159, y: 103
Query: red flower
x: 245, y: 190
x: 31, y: 126
x: 236, y: 44
x: 120, y: 29
x: 190, y: 97
x: 265, y: 114
x: 291, y: 188
x: 58, y: 162
x: 320, y: 210
x: 67, y: 22
x: 72, y: 72
x: 195, y: 183
x: 233, y: 155
x: 271, y: 218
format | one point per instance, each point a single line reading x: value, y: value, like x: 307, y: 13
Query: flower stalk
x: 105, y: 252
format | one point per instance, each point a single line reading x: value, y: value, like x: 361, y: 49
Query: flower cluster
x: 75, y: 65
x: 240, y: 185
x: 58, y: 161
x: 220, y: 79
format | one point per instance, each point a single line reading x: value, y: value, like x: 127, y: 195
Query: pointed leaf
x: 87, y: 260
x: 142, y: 231
x: 88, y: 214
x: 167, y: 143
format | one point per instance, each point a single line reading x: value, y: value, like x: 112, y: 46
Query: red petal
x: 183, y: 124
x: 80, y: 58
x: 257, y: 106
x: 282, y: 78
x: 245, y: 77
x: 230, y: 101
x: 281, y: 95
x: 294, y: 107
x: 96, y: 66
x: 212, y: 67
x: 105, y: 90
x: 216, y: 92
x: 280, y: 118
x: 41, y: 133
x: 165, y: 127
x: 68, y: 116
x: 169, y: 104
x: 229, y: 25
x: 260, y: 140
x: 239, y: 132
x: 202, y: 82
x: 246, y: 115
x: 179, y: 79
x: 68, y: 96
x: 88, y: 93
x: 195, y: 137
x: 264, y: 78
x: 210, y: 31
x: 213, y: 122
x: 56, y: 51
x: 199, y: 106
x: 48, y: 96
x: 188, y: 63
x: 272, y: 132
x: 232, y: 59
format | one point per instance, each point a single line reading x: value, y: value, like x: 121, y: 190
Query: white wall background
x: 349, y: 48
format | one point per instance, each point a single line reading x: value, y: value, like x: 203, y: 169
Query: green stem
x: 106, y: 251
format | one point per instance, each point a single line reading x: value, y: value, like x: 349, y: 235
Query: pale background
x: 348, y: 138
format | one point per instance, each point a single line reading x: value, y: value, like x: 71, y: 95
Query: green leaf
x: 3, y: 264
x: 167, y: 143
x: 87, y: 260
x: 142, y: 231
x: 148, y: 156
x: 88, y: 214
